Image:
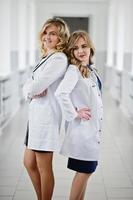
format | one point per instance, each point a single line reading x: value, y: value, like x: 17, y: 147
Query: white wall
x: 17, y: 50
x: 119, y: 65
x: 5, y: 36
x: 97, y: 12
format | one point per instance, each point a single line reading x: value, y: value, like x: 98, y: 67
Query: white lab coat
x: 44, y: 112
x: 82, y: 136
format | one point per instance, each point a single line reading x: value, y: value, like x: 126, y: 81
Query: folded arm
x: 51, y: 72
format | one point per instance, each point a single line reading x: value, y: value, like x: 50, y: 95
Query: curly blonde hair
x: 63, y: 33
x: 70, y: 51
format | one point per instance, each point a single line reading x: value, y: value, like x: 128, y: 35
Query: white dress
x: 44, y: 112
x: 82, y: 136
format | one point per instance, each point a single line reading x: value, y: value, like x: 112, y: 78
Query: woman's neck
x: 50, y: 51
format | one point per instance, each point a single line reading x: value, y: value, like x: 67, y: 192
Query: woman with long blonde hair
x: 80, y: 96
x: 44, y: 113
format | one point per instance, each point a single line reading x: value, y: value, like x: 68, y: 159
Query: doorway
x: 76, y: 23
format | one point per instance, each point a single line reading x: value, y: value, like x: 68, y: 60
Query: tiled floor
x: 113, y: 179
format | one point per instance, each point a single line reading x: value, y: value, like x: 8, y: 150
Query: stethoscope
x: 41, y: 62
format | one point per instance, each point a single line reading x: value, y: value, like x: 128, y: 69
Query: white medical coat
x: 44, y: 112
x: 82, y: 136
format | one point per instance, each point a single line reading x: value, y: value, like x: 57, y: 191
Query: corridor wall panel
x: 5, y: 99
x: 120, y: 53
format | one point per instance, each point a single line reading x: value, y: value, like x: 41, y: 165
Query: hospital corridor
x: 110, y: 26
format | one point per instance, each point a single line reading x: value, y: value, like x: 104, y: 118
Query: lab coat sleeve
x: 55, y: 68
x: 63, y: 93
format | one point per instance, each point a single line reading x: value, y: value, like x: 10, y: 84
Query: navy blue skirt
x: 82, y: 165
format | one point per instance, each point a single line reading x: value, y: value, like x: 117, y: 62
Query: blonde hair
x: 70, y: 51
x: 63, y: 33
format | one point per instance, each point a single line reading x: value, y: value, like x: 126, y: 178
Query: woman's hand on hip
x: 84, y: 113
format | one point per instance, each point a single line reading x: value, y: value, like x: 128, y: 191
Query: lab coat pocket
x: 88, y: 127
x: 90, y: 132
x: 40, y: 114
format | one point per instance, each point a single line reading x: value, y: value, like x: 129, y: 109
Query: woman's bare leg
x: 83, y: 192
x: 32, y: 169
x: 79, y: 186
x: 44, y: 162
